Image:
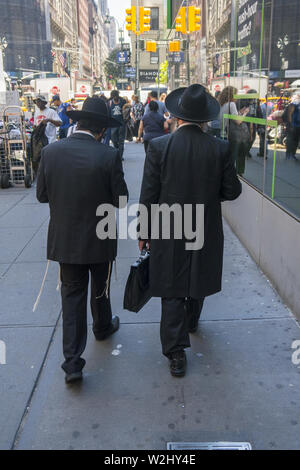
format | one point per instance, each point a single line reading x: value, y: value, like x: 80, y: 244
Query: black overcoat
x: 188, y: 167
x: 76, y: 176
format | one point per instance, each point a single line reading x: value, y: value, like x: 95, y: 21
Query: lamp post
x: 3, y: 46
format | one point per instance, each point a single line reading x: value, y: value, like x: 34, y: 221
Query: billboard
x: 25, y: 24
x: 251, y: 33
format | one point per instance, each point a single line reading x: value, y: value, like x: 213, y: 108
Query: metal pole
x: 158, y: 77
x: 188, y: 61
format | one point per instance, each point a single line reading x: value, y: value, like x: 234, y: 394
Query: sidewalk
x: 241, y: 384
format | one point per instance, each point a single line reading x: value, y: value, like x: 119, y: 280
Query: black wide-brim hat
x: 95, y: 109
x: 193, y: 104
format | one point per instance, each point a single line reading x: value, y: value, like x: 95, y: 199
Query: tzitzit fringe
x: 107, y: 284
x: 42, y: 288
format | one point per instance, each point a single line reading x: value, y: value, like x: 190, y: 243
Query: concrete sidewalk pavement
x: 241, y: 383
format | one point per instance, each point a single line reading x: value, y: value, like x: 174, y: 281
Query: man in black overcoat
x: 187, y: 168
x: 76, y: 176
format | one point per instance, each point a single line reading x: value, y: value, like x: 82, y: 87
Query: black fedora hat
x: 192, y: 104
x: 96, y: 109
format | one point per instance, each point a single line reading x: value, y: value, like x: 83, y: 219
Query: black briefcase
x: 137, y: 290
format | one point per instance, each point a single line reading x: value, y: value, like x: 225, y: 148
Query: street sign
x: 148, y: 75
x: 122, y: 80
x: 122, y: 57
x: 176, y: 57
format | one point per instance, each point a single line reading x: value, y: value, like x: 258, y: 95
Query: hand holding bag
x: 137, y: 290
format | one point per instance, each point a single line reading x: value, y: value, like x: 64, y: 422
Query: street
x: 241, y: 383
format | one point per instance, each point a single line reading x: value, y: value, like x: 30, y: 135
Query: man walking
x: 293, y: 128
x: 62, y: 109
x: 47, y: 117
x: 161, y: 104
x: 76, y: 176
x: 186, y: 168
x: 116, y: 109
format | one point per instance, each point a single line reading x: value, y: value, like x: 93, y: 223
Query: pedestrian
x: 191, y: 168
x: 161, y: 105
x: 62, y: 109
x: 153, y: 125
x: 137, y: 113
x: 46, y: 116
x: 163, y: 97
x: 254, y: 112
x: 128, y: 120
x: 266, y: 108
x: 118, y: 133
x: 293, y: 127
x: 236, y: 131
x: 76, y: 176
x: 73, y: 104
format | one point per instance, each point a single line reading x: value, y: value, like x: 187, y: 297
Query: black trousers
x: 74, y: 292
x: 175, y: 321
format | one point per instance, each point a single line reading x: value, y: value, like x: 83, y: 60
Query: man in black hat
x: 78, y: 175
x: 190, y: 173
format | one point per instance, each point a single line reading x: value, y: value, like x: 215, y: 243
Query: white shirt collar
x: 84, y: 132
x: 189, y: 124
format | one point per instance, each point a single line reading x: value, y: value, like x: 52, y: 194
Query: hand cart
x: 16, y: 166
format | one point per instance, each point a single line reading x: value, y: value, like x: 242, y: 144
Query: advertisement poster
x: 248, y: 35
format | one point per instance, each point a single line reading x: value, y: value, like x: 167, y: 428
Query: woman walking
x: 236, y: 131
x: 137, y: 113
x: 153, y: 124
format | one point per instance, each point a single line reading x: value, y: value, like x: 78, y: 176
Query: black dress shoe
x: 74, y: 377
x: 177, y: 363
x: 115, y: 325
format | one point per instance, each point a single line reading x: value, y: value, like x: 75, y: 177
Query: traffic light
x: 151, y: 46
x: 194, y: 19
x: 174, y: 46
x: 145, y: 20
x: 131, y: 19
x: 181, y: 21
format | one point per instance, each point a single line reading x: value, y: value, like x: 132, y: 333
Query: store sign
x: 148, y: 75
x: 292, y: 73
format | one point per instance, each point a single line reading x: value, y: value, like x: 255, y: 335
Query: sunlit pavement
x: 241, y: 383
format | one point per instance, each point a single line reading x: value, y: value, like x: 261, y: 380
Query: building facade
x: 26, y: 26
x: 63, y: 21
x: 148, y: 63
x: 218, y: 37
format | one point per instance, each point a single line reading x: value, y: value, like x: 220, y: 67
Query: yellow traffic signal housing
x: 174, y: 46
x: 151, y: 46
x: 131, y: 19
x: 181, y: 21
x: 194, y: 19
x: 145, y: 20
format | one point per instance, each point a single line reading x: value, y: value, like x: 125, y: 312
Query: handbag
x: 137, y: 290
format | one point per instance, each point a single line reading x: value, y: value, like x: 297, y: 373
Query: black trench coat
x: 188, y: 167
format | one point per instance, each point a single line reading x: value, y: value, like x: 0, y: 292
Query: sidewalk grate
x: 209, y: 446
